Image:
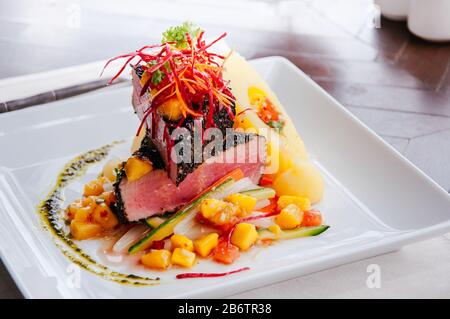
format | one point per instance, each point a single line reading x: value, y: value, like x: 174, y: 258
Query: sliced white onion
x: 198, y: 230
x: 263, y: 222
x: 262, y: 203
x: 167, y: 244
x: 186, y: 224
x: 236, y: 187
x: 130, y: 237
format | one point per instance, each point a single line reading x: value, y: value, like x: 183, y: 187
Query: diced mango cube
x: 72, y: 209
x: 171, y: 109
x: 290, y: 217
x: 93, y: 188
x: 302, y: 202
x: 245, y: 202
x: 204, y: 245
x: 135, y: 168
x: 104, y: 216
x: 181, y: 241
x: 244, y: 235
x: 157, y: 259
x: 183, y: 257
x: 83, y: 230
x: 211, y: 206
x: 83, y: 214
x: 89, y: 201
x: 276, y: 230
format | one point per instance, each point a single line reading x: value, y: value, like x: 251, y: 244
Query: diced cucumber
x: 260, y: 193
x: 155, y: 221
x: 166, y: 228
x: 264, y: 233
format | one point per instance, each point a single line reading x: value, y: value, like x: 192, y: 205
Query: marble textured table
x: 397, y: 84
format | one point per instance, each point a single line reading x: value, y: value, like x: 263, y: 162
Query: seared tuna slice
x: 155, y: 193
x: 160, y: 128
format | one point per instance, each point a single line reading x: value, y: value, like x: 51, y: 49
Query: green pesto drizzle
x: 52, y: 213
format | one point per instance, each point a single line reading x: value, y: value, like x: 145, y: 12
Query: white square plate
x: 375, y: 200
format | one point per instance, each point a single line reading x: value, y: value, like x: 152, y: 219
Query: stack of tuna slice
x: 185, y: 159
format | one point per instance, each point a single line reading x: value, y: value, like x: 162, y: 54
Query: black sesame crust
x: 118, y: 207
x: 146, y: 151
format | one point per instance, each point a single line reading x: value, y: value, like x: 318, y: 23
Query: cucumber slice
x: 155, y: 221
x: 166, y: 228
x: 260, y: 193
x: 264, y: 233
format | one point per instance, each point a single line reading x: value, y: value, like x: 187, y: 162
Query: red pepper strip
x: 266, y: 180
x: 212, y: 43
x: 206, y: 275
x: 250, y: 218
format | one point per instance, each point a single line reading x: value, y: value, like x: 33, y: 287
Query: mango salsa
x: 302, y: 202
x: 81, y: 230
x: 157, y: 259
x: 244, y: 235
x: 104, y: 216
x: 245, y: 202
x: 183, y: 257
x: 204, y: 245
x: 290, y: 217
x: 181, y: 241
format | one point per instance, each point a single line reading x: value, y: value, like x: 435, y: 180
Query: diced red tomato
x: 266, y: 180
x: 226, y: 253
x: 312, y: 218
x: 272, y: 207
x: 158, y: 244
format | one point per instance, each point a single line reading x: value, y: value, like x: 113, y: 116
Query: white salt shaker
x: 396, y: 10
x: 430, y: 19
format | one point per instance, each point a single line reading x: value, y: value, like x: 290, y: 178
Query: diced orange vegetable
x: 104, y: 216
x: 312, y: 218
x: 84, y: 230
x: 93, y: 188
x: 157, y: 259
x: 226, y: 253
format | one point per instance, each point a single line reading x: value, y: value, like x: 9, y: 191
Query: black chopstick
x: 54, y: 95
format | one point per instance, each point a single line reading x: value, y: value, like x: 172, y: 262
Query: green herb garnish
x: 277, y: 125
x: 178, y: 34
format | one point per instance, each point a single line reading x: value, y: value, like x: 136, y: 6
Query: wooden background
x: 396, y: 83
